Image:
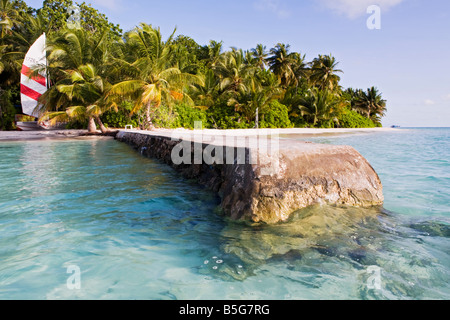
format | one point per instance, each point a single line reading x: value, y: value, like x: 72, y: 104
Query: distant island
x: 101, y: 77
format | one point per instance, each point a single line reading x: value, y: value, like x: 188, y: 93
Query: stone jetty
x: 263, y: 176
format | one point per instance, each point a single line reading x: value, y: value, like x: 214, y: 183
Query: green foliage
x: 320, y: 107
x: 223, y: 116
x: 324, y: 73
x: 7, y: 110
x: 276, y: 117
x: 172, y: 82
x: 163, y: 117
x: 57, y: 12
x: 189, y: 54
x: 121, y: 118
x: 75, y: 124
x: 156, y: 78
x: 187, y: 116
x: 352, y: 119
x: 369, y: 103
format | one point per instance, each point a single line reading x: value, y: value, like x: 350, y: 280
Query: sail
x: 32, y: 89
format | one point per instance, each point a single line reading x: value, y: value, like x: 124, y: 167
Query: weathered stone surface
x: 269, y: 190
x: 312, y: 173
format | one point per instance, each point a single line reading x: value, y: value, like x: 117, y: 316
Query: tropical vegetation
x: 102, y: 77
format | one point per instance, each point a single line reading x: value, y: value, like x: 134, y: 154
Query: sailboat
x: 31, y: 89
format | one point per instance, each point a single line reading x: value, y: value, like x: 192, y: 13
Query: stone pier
x: 263, y: 178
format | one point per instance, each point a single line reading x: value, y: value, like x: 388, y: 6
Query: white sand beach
x: 64, y: 134
x: 40, y: 135
x: 292, y: 131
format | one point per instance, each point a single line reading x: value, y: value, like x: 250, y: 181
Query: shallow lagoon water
x: 137, y: 230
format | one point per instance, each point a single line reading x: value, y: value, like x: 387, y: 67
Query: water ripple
x: 139, y: 231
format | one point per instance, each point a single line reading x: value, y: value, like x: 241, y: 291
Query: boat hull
x: 39, y: 126
x: 29, y: 126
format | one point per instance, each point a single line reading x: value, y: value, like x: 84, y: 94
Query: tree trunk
x: 100, y: 124
x: 148, y: 118
x: 92, y: 128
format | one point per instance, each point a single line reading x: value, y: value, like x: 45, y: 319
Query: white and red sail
x: 31, y: 89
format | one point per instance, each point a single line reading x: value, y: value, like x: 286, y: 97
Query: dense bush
x: 76, y: 125
x: 223, y: 116
x: 277, y: 116
x: 122, y: 118
x: 186, y: 116
x: 164, y: 117
x: 352, y: 119
x: 7, y: 111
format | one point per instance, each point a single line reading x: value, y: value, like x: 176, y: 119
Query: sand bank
x: 44, y: 135
x: 64, y: 134
x: 293, y: 131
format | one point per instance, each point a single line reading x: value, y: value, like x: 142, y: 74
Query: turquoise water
x: 137, y: 230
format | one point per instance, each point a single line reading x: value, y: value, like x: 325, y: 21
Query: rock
x: 268, y: 186
x: 311, y: 173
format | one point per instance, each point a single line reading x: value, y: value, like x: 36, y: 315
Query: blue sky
x: 407, y: 59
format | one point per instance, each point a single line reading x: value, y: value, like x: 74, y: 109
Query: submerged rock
x: 433, y: 228
x: 307, y: 174
x: 276, y: 178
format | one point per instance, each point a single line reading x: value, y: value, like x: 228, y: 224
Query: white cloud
x: 356, y: 8
x: 429, y: 102
x: 274, y: 6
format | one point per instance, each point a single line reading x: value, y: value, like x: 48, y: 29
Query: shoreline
x: 80, y: 134
x: 16, y: 136
x: 291, y: 131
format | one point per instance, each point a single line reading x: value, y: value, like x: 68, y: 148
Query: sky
x: 407, y: 58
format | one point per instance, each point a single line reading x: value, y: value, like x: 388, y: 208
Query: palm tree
x: 153, y: 77
x: 319, y: 106
x: 78, y: 62
x: 11, y: 54
x: 16, y: 45
x: 10, y: 58
x: 261, y: 93
x: 323, y: 73
x: 214, y: 52
x: 9, y: 17
x: 354, y: 100
x: 85, y: 90
x: 301, y: 68
x: 260, y: 55
x: 284, y: 64
x: 30, y: 28
x: 233, y: 72
x: 204, y: 95
x: 368, y: 103
x: 10, y: 63
x: 374, y: 104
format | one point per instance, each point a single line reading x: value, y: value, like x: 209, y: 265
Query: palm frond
x: 54, y: 117
x: 77, y: 112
